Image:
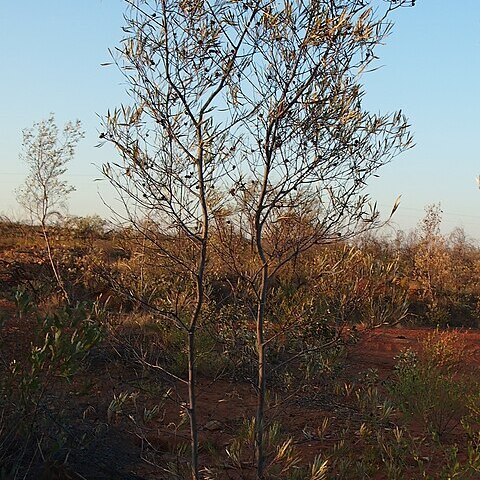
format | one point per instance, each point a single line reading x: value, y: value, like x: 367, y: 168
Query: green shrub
x: 61, y: 343
x: 429, y: 385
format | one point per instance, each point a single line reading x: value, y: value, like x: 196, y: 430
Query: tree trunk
x: 262, y: 381
x: 56, y: 274
x: 192, y: 404
x: 200, y: 293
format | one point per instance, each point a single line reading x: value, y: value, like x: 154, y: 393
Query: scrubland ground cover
x: 243, y: 156
x: 372, y: 359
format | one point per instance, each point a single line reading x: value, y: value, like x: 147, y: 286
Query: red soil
x: 222, y: 405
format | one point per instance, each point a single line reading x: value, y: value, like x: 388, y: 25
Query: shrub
x: 430, y: 386
x: 61, y: 342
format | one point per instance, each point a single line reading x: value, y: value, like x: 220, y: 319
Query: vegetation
x: 44, y: 193
x: 87, y: 373
x: 248, y: 115
x: 240, y: 320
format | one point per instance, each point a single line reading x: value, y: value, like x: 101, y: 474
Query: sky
x: 51, y: 53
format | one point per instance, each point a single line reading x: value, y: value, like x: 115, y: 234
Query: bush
x: 28, y: 425
x: 429, y: 386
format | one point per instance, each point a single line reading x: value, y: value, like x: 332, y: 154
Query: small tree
x: 310, y: 146
x: 259, y: 100
x: 183, y: 62
x: 45, y: 193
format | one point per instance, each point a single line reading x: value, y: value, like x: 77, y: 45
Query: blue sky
x: 51, y: 53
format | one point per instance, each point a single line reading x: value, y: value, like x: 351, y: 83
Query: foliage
x: 332, y: 293
x: 430, y: 386
x: 46, y: 154
x: 87, y: 228
x: 280, y: 451
x: 249, y: 114
x: 45, y: 193
x: 62, y: 341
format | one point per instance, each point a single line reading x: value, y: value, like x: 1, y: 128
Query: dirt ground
x: 378, y: 348
x: 122, y: 447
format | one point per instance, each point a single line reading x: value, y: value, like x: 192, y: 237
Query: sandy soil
x: 122, y: 449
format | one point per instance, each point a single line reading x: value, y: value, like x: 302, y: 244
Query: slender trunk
x: 200, y: 293
x: 262, y: 381
x: 192, y: 407
x: 192, y: 367
x: 55, y: 271
x: 262, y: 303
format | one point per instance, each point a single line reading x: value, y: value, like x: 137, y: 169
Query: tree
x: 181, y: 60
x: 44, y: 194
x: 310, y: 147
x: 250, y: 107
